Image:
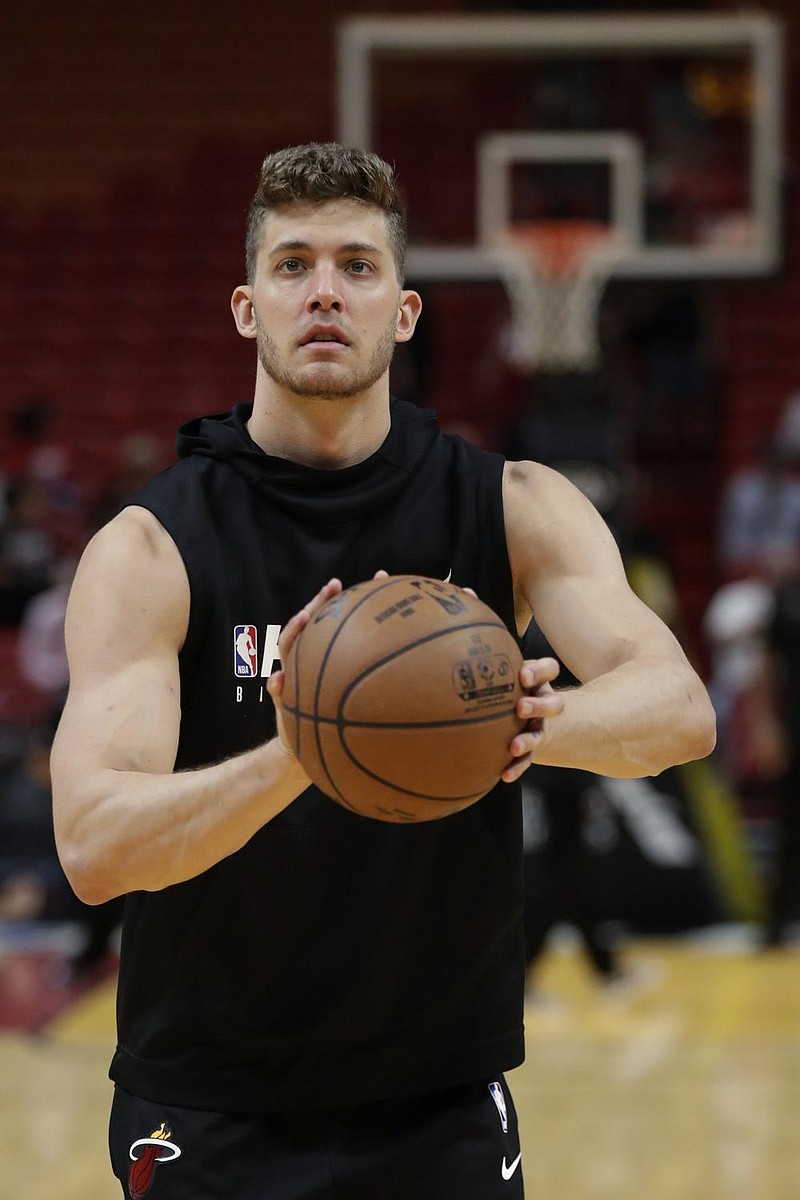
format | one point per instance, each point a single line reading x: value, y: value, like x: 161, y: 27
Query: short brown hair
x: 323, y: 171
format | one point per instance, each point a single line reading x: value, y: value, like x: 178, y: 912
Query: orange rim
x: 557, y: 247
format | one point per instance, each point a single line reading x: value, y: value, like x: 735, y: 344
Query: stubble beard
x: 326, y: 384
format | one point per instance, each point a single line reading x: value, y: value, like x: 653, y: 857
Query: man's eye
x: 359, y: 267
x: 290, y: 266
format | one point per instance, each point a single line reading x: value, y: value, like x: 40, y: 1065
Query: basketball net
x: 554, y: 273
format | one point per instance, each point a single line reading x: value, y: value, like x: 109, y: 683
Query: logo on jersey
x: 500, y: 1101
x: 146, y: 1154
x: 245, y: 651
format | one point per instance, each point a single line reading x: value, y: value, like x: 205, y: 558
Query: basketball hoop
x: 554, y: 273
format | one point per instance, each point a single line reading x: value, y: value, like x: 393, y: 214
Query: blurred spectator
x: 32, y: 883
x: 784, y: 639
x: 759, y: 526
x: 35, y: 452
x: 566, y: 887
x: 41, y: 650
x: 753, y: 626
x: 562, y: 884
x: 787, y: 432
x: 27, y: 547
x: 751, y: 741
x: 140, y: 456
x: 30, y: 449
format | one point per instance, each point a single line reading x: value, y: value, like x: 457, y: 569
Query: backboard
x: 666, y: 126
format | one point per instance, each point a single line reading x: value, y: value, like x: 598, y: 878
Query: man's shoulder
x: 530, y: 478
x: 465, y: 447
x: 134, y: 531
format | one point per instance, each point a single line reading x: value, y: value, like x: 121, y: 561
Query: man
x: 313, y: 1003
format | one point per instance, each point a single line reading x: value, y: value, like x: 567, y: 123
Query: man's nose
x: 325, y: 293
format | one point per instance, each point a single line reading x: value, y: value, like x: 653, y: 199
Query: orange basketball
x: 400, y: 698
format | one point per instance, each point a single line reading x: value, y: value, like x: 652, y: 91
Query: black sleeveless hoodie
x: 333, y: 959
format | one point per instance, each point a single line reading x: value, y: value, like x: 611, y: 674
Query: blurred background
x: 603, y: 210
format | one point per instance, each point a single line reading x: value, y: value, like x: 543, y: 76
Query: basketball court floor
x: 686, y: 1086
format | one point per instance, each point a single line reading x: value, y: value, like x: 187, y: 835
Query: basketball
x: 400, y: 697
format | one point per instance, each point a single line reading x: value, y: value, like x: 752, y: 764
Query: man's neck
x: 328, y: 434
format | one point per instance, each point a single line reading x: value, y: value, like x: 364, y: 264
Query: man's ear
x: 244, y: 314
x: 407, y: 315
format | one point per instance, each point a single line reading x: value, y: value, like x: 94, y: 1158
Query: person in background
x: 783, y: 638
x: 759, y: 521
x: 750, y: 624
x: 32, y: 882
x: 28, y: 551
x: 41, y: 648
x: 139, y: 457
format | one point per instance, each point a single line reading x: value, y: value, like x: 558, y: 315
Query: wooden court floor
x: 685, y: 1088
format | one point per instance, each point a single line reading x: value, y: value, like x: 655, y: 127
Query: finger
x: 301, y: 618
x: 275, y: 688
x: 523, y: 743
x: 275, y: 684
x: 298, y: 622
x: 516, y: 768
x: 547, y: 704
x: 291, y: 630
x: 381, y: 575
x: 470, y: 592
x: 332, y: 588
x: 536, y: 671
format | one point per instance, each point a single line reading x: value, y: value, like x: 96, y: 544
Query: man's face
x: 327, y: 305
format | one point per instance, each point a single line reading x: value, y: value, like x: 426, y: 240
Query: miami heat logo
x: 146, y: 1154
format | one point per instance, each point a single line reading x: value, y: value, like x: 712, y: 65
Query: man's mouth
x: 325, y: 337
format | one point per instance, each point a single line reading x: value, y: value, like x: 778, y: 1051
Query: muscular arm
x: 124, y: 821
x: 640, y: 707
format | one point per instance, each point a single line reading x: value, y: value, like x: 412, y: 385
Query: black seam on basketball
x: 395, y: 787
x: 320, y: 675
x: 296, y: 696
x: 321, y: 753
x: 429, y: 637
x: 342, y: 723
x: 400, y: 817
x: 390, y: 582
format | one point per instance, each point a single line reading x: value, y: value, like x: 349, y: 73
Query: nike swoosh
x: 507, y: 1172
x: 448, y: 576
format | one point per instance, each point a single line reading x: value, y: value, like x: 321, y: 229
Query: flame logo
x: 146, y: 1154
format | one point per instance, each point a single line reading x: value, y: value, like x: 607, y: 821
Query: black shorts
x: 457, y: 1144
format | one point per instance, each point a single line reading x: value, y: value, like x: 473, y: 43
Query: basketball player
x: 313, y: 1004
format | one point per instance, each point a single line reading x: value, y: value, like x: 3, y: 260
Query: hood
x: 326, y: 496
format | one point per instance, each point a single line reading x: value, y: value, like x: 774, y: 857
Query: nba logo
x: 245, y: 657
